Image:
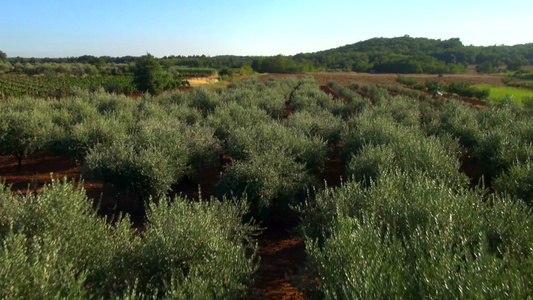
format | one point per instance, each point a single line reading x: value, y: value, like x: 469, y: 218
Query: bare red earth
x: 281, y: 256
x: 328, y: 91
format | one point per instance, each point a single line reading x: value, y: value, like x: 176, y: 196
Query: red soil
x: 327, y: 90
x: 281, y: 256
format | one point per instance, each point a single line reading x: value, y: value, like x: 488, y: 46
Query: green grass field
x: 497, y: 93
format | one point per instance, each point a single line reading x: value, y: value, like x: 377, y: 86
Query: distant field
x: 499, y: 92
x: 390, y: 79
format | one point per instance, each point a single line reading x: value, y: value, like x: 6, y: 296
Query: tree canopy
x: 149, y: 76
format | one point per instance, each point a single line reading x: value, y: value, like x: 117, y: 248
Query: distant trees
x: 4, y: 65
x: 281, y: 64
x: 386, y: 55
x: 148, y: 75
x: 246, y: 70
x: 225, y: 72
x: 485, y: 67
x: 433, y: 56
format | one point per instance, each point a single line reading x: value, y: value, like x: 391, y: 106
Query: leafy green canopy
x: 149, y: 76
x: 53, y: 246
x: 408, y: 237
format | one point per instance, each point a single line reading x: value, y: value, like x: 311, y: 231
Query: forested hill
x: 381, y: 55
x: 418, y: 55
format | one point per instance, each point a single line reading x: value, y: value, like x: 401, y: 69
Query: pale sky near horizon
x: 54, y: 28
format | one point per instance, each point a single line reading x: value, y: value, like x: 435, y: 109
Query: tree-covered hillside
x: 418, y: 55
x: 381, y: 55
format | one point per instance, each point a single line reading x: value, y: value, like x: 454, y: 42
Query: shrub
x: 85, y: 135
x: 409, y: 237
x: 409, y: 81
x: 353, y: 102
x: 203, y: 147
x: 56, y: 247
x: 402, y: 109
x: 204, y: 100
x: 24, y: 132
x: 527, y: 102
x: 425, y: 154
x: 461, y: 122
x: 517, y: 182
x: 500, y: 147
x: 322, y: 124
x: 272, y: 181
x: 146, y: 163
x: 372, y: 129
x: 231, y: 115
x: 243, y: 142
x: 309, y: 97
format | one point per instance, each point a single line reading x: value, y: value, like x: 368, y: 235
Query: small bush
x: 146, y: 163
x: 409, y: 237
x: 24, y: 132
x: 244, y: 142
x: 272, y: 181
x: 427, y: 155
x: 321, y: 124
x: 53, y: 246
x: 409, y: 81
x: 517, y: 182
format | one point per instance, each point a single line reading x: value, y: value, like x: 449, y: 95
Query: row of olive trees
x: 54, y: 246
x: 146, y: 146
x: 404, y: 196
x: 406, y: 224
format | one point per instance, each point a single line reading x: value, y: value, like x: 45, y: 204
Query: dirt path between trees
x: 282, y: 254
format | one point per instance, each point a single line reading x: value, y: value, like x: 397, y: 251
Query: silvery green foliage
x: 243, y: 142
x: 53, y: 246
x: 25, y: 127
x: 146, y: 162
x: 422, y: 153
x: 270, y: 181
x: 460, y: 121
x: 412, y: 237
x: 322, y: 124
x: 517, y: 182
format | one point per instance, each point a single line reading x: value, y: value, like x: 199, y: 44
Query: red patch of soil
x: 334, y: 169
x: 200, y: 185
x: 281, y: 256
x: 473, y: 171
x: 327, y: 90
x: 185, y: 88
x: 35, y: 171
x: 135, y: 95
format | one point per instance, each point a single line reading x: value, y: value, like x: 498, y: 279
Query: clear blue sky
x: 53, y: 28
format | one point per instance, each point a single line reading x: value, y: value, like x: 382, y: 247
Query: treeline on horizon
x: 380, y: 55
